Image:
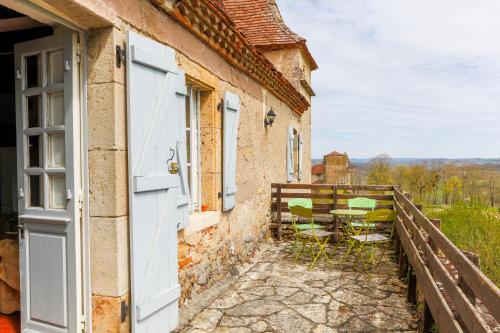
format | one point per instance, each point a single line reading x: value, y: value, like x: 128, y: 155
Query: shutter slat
x: 230, y: 132
x: 289, y: 160
x: 301, y: 153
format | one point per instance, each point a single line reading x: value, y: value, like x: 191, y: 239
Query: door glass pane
x: 56, y: 150
x: 57, y: 192
x: 55, y: 67
x: 34, y: 111
x: 33, y: 71
x: 35, y: 151
x: 55, y: 110
x: 35, y: 191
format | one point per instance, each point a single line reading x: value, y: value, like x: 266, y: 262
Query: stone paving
x: 278, y: 295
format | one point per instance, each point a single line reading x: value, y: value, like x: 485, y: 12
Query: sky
x: 409, y: 78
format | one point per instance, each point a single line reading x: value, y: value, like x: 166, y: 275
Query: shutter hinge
x: 78, y: 53
x: 220, y: 106
x: 124, y: 311
x: 80, y: 200
x: 120, y: 56
x: 84, y: 324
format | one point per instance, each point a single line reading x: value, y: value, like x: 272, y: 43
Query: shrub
x: 476, y: 228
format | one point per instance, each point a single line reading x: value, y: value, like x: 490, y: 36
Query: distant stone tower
x: 337, y: 168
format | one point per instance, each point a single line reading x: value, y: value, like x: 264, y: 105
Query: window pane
x: 57, y: 192
x: 55, y: 67
x: 34, y: 111
x: 56, y: 150
x: 35, y: 191
x: 33, y: 71
x: 55, y: 110
x: 35, y: 151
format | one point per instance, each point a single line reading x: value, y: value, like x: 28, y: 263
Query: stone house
x: 335, y: 169
x: 137, y: 148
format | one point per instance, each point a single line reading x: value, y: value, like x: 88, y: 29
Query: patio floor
x: 275, y: 294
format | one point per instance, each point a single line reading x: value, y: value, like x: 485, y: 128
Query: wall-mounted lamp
x: 270, y: 116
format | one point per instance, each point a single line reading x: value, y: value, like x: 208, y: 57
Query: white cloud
x: 414, y: 78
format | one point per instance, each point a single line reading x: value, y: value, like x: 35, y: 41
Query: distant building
x: 335, y: 169
x: 317, y: 173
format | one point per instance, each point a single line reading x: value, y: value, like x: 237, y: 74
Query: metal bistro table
x: 346, y: 214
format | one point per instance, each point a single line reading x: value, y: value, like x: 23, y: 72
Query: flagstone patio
x: 276, y: 294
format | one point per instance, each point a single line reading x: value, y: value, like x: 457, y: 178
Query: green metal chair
x: 306, y: 203
x: 309, y: 237
x: 355, y: 228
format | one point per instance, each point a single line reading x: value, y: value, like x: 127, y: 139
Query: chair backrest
x: 361, y: 202
x: 307, y: 203
x: 381, y: 215
x: 301, y: 211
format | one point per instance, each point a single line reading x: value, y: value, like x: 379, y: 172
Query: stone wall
x: 215, y: 242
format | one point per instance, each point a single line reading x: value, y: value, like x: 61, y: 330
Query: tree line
x: 432, y: 183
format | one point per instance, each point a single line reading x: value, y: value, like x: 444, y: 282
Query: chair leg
x: 384, y: 248
x: 349, y: 249
x: 321, y: 251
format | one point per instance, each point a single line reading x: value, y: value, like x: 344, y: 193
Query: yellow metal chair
x: 368, y: 244
x: 310, y: 238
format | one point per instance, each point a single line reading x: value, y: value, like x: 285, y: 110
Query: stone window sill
x: 201, y: 221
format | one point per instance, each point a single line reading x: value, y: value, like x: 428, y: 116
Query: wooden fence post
x: 461, y: 282
x: 278, y: 211
x: 428, y: 321
x: 335, y: 219
x: 403, y: 263
x: 437, y: 223
x: 403, y: 259
x: 412, y: 287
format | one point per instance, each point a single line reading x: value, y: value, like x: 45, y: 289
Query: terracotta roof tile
x: 318, y: 169
x: 262, y: 24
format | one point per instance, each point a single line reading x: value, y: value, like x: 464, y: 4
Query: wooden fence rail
x: 427, y: 249
x: 451, y: 283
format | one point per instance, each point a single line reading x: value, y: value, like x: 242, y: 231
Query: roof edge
x: 214, y: 27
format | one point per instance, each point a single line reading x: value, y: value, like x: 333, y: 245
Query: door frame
x: 37, y: 12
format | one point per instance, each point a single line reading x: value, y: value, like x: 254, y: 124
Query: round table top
x: 349, y: 212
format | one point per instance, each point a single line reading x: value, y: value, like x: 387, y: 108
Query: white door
x: 47, y: 111
x: 155, y: 90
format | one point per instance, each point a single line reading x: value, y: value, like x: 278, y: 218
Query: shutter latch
x: 120, y: 56
x: 220, y: 106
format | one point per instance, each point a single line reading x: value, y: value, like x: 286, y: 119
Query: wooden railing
x: 439, y: 266
x: 458, y: 297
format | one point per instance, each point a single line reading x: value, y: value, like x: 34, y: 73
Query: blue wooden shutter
x: 184, y: 196
x: 289, y: 157
x: 230, y: 142
x: 153, y: 121
x: 301, y: 152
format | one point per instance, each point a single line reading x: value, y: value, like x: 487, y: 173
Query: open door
x: 48, y: 155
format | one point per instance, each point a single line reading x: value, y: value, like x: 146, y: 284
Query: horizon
x: 418, y: 158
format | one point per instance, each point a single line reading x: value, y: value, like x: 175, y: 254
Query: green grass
x: 474, y: 228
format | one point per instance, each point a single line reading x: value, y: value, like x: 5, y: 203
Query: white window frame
x: 194, y: 160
